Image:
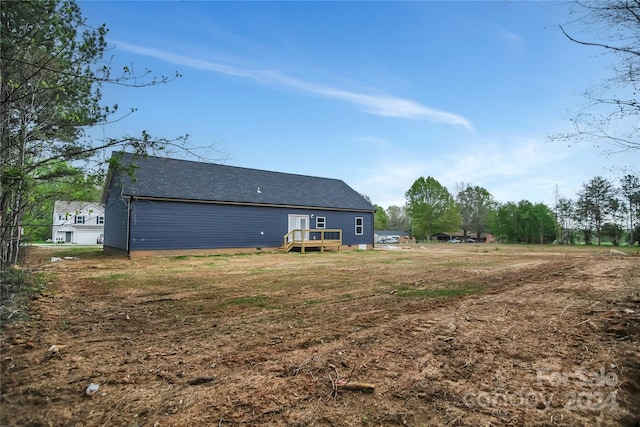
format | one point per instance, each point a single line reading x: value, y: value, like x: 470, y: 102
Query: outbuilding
x: 162, y: 204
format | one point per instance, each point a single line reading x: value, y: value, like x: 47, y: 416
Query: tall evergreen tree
x: 630, y: 192
x: 595, y: 206
x: 564, y: 217
x: 51, y: 76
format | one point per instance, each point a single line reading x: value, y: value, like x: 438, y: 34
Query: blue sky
x: 376, y: 94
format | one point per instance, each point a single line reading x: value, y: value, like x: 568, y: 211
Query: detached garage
x: 161, y: 204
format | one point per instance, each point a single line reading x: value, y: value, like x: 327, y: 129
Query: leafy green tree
x: 504, y: 222
x: 51, y: 75
x: 613, y: 232
x: 398, y: 218
x: 595, y: 206
x: 476, y: 205
x: 432, y: 208
x: 630, y: 192
x: 524, y: 222
x: 380, y: 219
x: 538, y: 223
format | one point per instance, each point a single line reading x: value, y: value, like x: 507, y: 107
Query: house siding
x: 160, y: 225
x: 346, y: 222
x: 116, y: 221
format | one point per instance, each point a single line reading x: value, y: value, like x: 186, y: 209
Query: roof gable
x: 158, y: 177
x: 73, y: 206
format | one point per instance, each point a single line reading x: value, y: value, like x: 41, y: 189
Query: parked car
x: 453, y: 241
x: 391, y: 240
x: 470, y: 241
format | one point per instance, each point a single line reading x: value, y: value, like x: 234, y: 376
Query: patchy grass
x: 277, y: 330
x: 260, y: 301
x: 84, y: 252
x: 398, y: 260
x: 113, y: 277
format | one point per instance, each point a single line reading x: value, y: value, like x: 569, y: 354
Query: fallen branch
x: 200, y: 380
x: 334, y: 387
x: 302, y: 366
x: 149, y: 301
x: 565, y: 309
x: 355, y: 386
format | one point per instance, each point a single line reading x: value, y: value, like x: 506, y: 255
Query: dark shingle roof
x: 159, y: 177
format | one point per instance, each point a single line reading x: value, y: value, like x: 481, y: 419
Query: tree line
x: 52, y: 71
x: 602, y: 211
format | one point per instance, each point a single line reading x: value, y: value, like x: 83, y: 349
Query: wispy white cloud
x: 526, y: 168
x: 513, y: 40
x: 380, y: 105
x: 512, y: 168
x: 387, y: 183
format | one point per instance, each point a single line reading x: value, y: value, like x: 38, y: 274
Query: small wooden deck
x: 312, y: 238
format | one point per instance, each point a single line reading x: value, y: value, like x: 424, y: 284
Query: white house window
x: 359, y: 226
x: 321, y: 222
x: 101, y: 219
x: 62, y: 217
x: 78, y: 219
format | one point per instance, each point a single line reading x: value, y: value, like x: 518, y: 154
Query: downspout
x: 129, y: 226
x: 373, y: 230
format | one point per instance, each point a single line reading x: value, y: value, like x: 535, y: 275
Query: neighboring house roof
x: 164, y: 178
x: 71, y: 207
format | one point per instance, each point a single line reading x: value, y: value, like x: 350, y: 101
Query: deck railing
x: 312, y: 238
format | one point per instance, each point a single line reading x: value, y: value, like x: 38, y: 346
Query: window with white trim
x: 359, y: 226
x: 321, y: 222
x: 78, y: 219
x: 101, y: 219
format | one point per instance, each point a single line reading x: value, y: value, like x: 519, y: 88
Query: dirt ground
x: 468, y: 334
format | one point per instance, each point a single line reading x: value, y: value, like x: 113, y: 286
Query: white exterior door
x: 299, y: 222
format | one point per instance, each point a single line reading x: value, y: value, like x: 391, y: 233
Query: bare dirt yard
x: 468, y: 334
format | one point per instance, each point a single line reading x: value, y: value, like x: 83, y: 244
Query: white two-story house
x: 81, y: 223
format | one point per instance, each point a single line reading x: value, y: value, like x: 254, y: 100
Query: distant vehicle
x: 453, y: 241
x: 470, y: 241
x: 391, y: 240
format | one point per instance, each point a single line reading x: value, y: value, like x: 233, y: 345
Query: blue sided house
x: 160, y: 204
